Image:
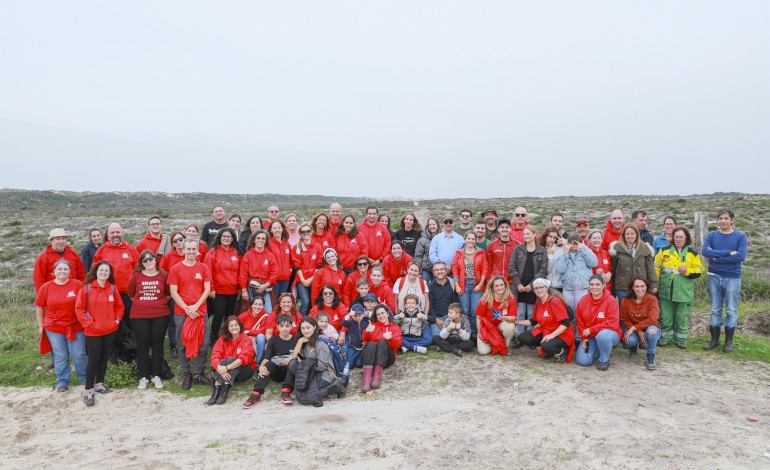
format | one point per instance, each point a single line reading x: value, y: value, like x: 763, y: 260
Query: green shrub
x: 121, y: 375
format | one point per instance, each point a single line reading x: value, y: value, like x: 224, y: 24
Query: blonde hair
x: 489, y: 293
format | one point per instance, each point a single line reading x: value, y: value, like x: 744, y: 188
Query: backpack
x: 339, y: 362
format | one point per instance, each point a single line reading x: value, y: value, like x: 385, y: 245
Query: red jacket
x: 43, y: 271
x: 642, y: 315
x: 597, y: 315
x: 335, y: 315
x: 260, y: 266
x: 170, y: 259
x: 325, y: 241
x: 604, y: 262
x: 123, y: 258
x: 394, y: 269
x: 225, y: 270
x: 517, y: 234
x: 379, y: 329
x: 327, y: 275
x: 282, y: 252
x: 480, y: 265
x: 252, y: 325
x: 548, y: 316
x: 307, y: 259
x: 377, y: 239
x: 349, y: 291
x: 349, y: 249
x: 105, y: 309
x: 498, y: 257
x: 272, y: 322
x: 148, y: 243
x: 384, y: 295
x: 239, y: 348
x: 493, y: 313
x: 610, y: 235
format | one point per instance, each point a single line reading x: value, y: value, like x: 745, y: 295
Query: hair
x: 258, y: 297
x: 387, y: 217
x: 140, y: 267
x: 679, y: 228
x: 174, y: 234
x: 637, y: 213
x: 439, y: 262
x: 91, y: 276
x: 416, y: 227
x: 598, y: 277
x: 574, y: 237
x: 362, y: 258
x: 633, y: 280
x: 250, y: 243
x: 415, y: 263
x: 287, y: 295
x: 191, y: 240
x: 470, y: 232
x: 217, y: 241
x: 412, y: 297
x: 319, y: 300
x: 217, y: 205
x: 547, y: 231
x: 438, y: 224
x: 455, y: 307
x: 247, y: 226
x: 670, y: 217
x: 316, y: 331
x: 195, y: 226
x: 234, y: 215
x: 396, y: 242
x: 633, y: 227
x: 489, y: 293
x: 314, y: 222
x: 556, y: 214
x: 151, y: 219
x: 372, y: 207
x: 373, y: 318
x: 341, y: 229
x: 226, y: 327
x: 592, y: 232
x: 321, y: 314
x: 92, y: 230
x: 533, y: 231
x: 726, y: 211
x: 377, y: 268
x: 361, y: 281
x: 284, y: 231
x: 62, y: 261
x: 284, y: 319
x: 290, y: 215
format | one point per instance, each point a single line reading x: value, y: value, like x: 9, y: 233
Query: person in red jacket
x: 604, y: 260
x: 286, y: 306
x: 306, y: 256
x: 496, y: 318
x: 520, y: 220
x: 469, y: 270
x: 381, y: 289
x: 254, y: 321
x: 99, y: 309
x: 259, y: 270
x: 322, y: 234
x: 362, y: 271
x: 613, y: 229
x: 279, y: 247
x: 330, y: 274
x: 350, y: 244
x: 329, y: 301
x: 598, y: 325
x: 123, y: 259
x: 155, y: 241
x: 395, y: 263
x: 377, y: 236
x: 173, y: 257
x: 232, y: 360
x: 224, y: 263
x: 500, y: 249
x: 382, y: 338
x: 57, y: 249
x: 551, y: 332
x: 335, y: 217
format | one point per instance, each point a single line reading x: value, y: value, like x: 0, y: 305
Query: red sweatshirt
x: 58, y: 303
x: 261, y: 266
x: 384, y: 295
x: 272, y: 322
x: 148, y: 295
x: 123, y: 258
x: 335, y: 315
x: 170, y: 259
x: 324, y: 276
x: 148, y: 243
x: 225, y: 268
x: 480, y: 265
x: 484, y: 310
x: 43, y: 271
x: 239, y: 348
x: 379, y: 329
x: 377, y: 239
x: 610, y: 235
x: 252, y: 325
x: 349, y: 249
x: 307, y: 259
x: 604, y: 262
x: 517, y: 234
x: 597, y: 315
x: 498, y: 257
x: 641, y: 315
x: 105, y: 308
x: 394, y: 269
x: 349, y: 291
x: 190, y: 282
x: 282, y: 252
x: 325, y: 241
x: 549, y: 315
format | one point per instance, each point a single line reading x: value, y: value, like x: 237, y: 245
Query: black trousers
x: 221, y: 307
x: 453, y: 342
x: 378, y: 354
x: 99, y: 349
x: 236, y: 375
x: 150, y: 333
x: 551, y: 347
x: 277, y: 373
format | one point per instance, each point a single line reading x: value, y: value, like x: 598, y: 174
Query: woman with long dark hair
x: 224, y: 261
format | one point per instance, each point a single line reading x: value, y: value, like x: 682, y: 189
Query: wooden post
x: 701, y: 229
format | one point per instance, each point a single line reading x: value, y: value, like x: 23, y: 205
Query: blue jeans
x: 62, y: 351
x: 620, y: 294
x: 280, y: 287
x: 599, y: 347
x: 304, y: 298
x: 260, y: 342
x: 724, y: 292
x: 469, y: 299
x: 426, y: 339
x: 427, y: 276
x: 524, y: 312
x: 266, y: 298
x: 652, y: 338
x: 354, y: 357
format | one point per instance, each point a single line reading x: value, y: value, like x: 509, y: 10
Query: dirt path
x: 444, y: 412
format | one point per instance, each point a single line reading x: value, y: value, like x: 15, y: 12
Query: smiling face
x: 59, y: 243
x: 226, y: 239
x: 307, y: 329
x: 103, y: 272
x: 191, y: 232
x: 219, y: 214
x: 335, y: 212
x: 640, y: 288
x: 498, y: 287
x: 383, y: 316
x: 617, y: 218
x: 328, y: 296
x: 149, y: 263
x: 115, y: 234
x: 680, y: 239
x: 257, y: 306
x: 520, y: 217
x: 596, y: 240
x: 408, y: 222
x: 190, y: 250
x: 582, y: 230
x: 480, y: 230
x: 376, y: 277
x: 383, y: 219
x: 629, y: 235
x: 439, y: 271
x: 306, y: 232
x: 371, y: 216
x: 528, y: 234
x: 255, y: 224
x: 323, y: 322
x: 62, y: 272
x: 432, y: 226
x: 504, y: 230
x: 348, y: 224
x: 413, y: 272
x: 321, y: 222
x: 285, y: 304
x: 668, y: 225
x: 234, y: 223
x: 96, y: 237
x: 273, y: 212
x: 177, y: 242
x: 331, y: 258
x: 276, y: 230
x: 541, y: 291
x: 596, y: 288
x: 259, y: 241
x: 155, y: 226
x: 234, y: 328
x: 291, y: 223
x: 724, y: 222
x: 470, y: 239
x: 397, y: 250
x: 557, y: 221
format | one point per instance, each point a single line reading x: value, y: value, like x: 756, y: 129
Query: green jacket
x: 674, y: 286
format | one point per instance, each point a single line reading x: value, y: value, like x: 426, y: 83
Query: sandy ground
x: 515, y: 412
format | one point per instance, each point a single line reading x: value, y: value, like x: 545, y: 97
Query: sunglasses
x: 363, y: 263
x: 273, y: 212
x: 449, y: 222
x: 147, y: 260
x: 305, y: 232
x: 328, y: 293
x: 520, y: 215
x: 177, y: 240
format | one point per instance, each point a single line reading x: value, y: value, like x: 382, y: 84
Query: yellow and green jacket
x: 674, y: 286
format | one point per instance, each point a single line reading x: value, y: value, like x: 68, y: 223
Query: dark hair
x: 195, y: 226
x: 556, y: 214
x: 361, y: 281
x: 319, y: 300
x: 284, y: 319
x: 284, y: 231
x: 373, y: 318
x: 416, y: 227
x: 480, y: 222
x: 679, y: 228
x: 151, y: 218
x: 293, y: 303
x: 379, y: 216
x: 547, y: 231
x: 250, y: 243
x: 455, y: 306
x: 314, y: 222
x: 412, y: 297
x: 372, y: 207
x: 92, y: 273
x: 174, y: 234
x: 217, y: 241
x: 633, y: 280
x: 466, y: 210
x: 726, y: 211
x: 247, y: 226
x: 140, y: 267
x: 438, y: 225
x: 316, y: 332
x: 637, y: 213
x: 92, y: 230
x: 364, y: 258
x: 341, y: 229
x: 226, y: 330
x: 396, y: 242
x: 598, y: 277
x: 234, y: 215
x: 667, y: 217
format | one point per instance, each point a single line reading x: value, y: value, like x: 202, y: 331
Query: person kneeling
x: 552, y: 333
x: 455, y: 336
x: 232, y: 360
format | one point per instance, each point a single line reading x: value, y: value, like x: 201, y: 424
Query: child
x: 414, y: 326
x: 353, y: 327
x: 455, y: 336
x: 326, y: 329
x: 362, y: 286
x: 275, y: 363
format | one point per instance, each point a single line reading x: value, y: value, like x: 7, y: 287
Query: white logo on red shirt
x: 605, y: 261
x: 353, y: 241
x: 233, y: 258
x: 71, y: 293
x: 125, y: 256
x: 600, y: 315
x: 378, y: 234
x: 198, y: 276
x: 287, y: 251
x: 238, y: 351
x: 111, y: 299
x: 266, y: 262
x: 545, y: 314
x: 312, y: 257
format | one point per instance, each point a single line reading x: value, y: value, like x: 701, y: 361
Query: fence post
x: 701, y: 229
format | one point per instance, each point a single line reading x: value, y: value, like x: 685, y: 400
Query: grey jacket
x: 422, y: 250
x: 625, y: 266
x: 519, y: 260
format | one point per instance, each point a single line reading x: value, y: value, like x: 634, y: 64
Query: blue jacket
x: 576, y: 268
x: 355, y: 330
x: 660, y: 243
x: 87, y: 255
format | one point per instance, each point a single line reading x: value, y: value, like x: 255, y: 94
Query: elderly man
x: 444, y: 244
x: 520, y: 220
x: 155, y: 241
x: 211, y: 229
x: 614, y: 228
x: 335, y: 216
x: 273, y: 214
x: 57, y: 249
x: 123, y: 258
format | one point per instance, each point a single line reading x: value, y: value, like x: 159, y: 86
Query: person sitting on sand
x: 275, y: 364
x: 382, y: 339
x: 455, y: 335
x: 496, y: 317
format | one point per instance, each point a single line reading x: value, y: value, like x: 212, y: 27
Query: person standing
x: 155, y: 241
x: 123, y: 259
x: 466, y: 223
x: 335, y: 216
x: 89, y: 249
x: 444, y: 245
x: 273, y: 214
x: 211, y: 229
x: 726, y: 251
x: 613, y: 229
x: 499, y: 251
x: 57, y: 249
x: 490, y: 217
x: 639, y: 218
x: 377, y: 236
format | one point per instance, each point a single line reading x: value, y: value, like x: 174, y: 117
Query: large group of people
x: 304, y: 304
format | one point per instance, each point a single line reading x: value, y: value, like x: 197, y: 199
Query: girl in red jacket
x: 99, y: 309
x: 552, y: 332
x: 254, y: 321
x: 496, y: 317
x: 350, y: 244
x: 306, y: 256
x: 604, y: 261
x: 382, y: 339
x: 279, y: 247
x: 224, y: 262
x: 329, y: 301
x: 259, y: 270
x: 598, y: 325
x: 330, y: 274
x: 232, y: 359
x: 322, y: 234
x: 470, y: 268
x: 394, y: 264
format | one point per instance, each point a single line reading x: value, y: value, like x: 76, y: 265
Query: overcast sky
x: 398, y: 98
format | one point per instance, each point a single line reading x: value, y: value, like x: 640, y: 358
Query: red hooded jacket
x: 306, y: 259
x: 261, y: 266
x: 239, y: 348
x: 379, y: 329
x: 349, y: 291
x: 548, y: 316
x: 325, y: 241
x: 377, y: 239
x: 225, y: 268
x: 104, y: 306
x: 498, y: 258
x: 394, y: 269
x: 43, y: 271
x: 123, y: 259
x: 252, y: 325
x: 610, y: 235
x: 349, y: 249
x: 480, y: 266
x: 324, y: 276
x: 335, y: 315
x: 282, y: 252
x: 597, y: 315
x: 384, y: 295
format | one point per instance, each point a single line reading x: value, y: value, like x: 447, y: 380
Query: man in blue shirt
x: 444, y: 244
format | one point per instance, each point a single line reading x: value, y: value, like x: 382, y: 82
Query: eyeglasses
x: 155, y: 224
x: 464, y: 216
x: 274, y: 211
x: 328, y: 293
x: 305, y: 232
x: 520, y: 215
x: 177, y: 240
x: 147, y: 260
x: 362, y: 263
x: 449, y: 222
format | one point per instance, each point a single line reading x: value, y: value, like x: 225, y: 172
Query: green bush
x: 121, y: 375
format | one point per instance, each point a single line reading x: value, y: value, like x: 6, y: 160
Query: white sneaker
x: 403, y: 349
x: 157, y: 382
x: 143, y: 383
x: 421, y: 349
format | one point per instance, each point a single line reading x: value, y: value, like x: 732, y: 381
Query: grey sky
x: 415, y: 99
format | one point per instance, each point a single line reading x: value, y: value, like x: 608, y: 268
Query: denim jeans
x: 259, y: 346
x: 524, y: 312
x: 620, y: 294
x: 304, y: 298
x: 427, y: 276
x: 425, y: 340
x: 62, y: 351
x: 469, y: 299
x: 280, y: 287
x: 652, y: 338
x: 599, y: 347
x: 724, y: 292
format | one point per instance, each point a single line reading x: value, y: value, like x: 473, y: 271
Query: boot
x: 729, y: 332
x: 214, y: 394
x: 367, y: 379
x: 377, y: 377
x: 714, y: 339
x: 222, y: 398
x: 633, y: 351
x: 650, y: 361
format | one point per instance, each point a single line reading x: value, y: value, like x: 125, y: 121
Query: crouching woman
x: 232, y: 359
x: 597, y: 320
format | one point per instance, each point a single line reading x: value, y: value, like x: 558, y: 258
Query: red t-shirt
x: 148, y: 295
x: 59, y: 304
x: 189, y: 281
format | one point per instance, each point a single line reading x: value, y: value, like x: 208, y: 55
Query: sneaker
x: 421, y: 349
x: 603, y: 366
x: 403, y: 349
x: 633, y: 351
x: 201, y: 379
x: 252, y: 400
x: 186, y: 381
x: 157, y: 382
x: 457, y: 352
x: 286, y: 396
x: 560, y: 358
x: 89, y: 399
x: 100, y: 388
x: 174, y: 352
x: 143, y: 383
x: 437, y: 349
x: 681, y: 345
x: 651, y: 362
x: 60, y: 388
x: 662, y: 342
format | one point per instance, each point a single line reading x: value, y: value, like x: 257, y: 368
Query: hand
x: 225, y: 376
x: 599, y: 271
x: 370, y: 328
x: 286, y: 361
x: 300, y: 342
x: 221, y: 369
x: 585, y: 344
x: 190, y: 309
x: 682, y: 269
x: 341, y: 339
x: 733, y: 253
x: 580, y: 246
x: 263, y: 371
x: 627, y: 334
x: 450, y: 326
x: 521, y: 288
x: 607, y: 277
x: 387, y: 335
x: 245, y: 295
x: 546, y: 338
x: 642, y: 337
x: 440, y: 323
x: 458, y: 289
x: 654, y: 290
x: 194, y: 315
x: 586, y: 332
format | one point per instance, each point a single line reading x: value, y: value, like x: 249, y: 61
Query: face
x: 465, y: 217
x: 376, y: 277
x: 520, y: 216
x: 371, y: 215
x: 96, y: 237
x: 596, y: 287
x: 291, y: 222
x: 285, y: 304
x: 557, y: 221
x: 382, y: 315
x: 529, y: 235
x: 413, y: 271
x: 596, y: 240
x: 540, y: 290
x: 307, y: 329
x: 260, y: 240
x: 273, y: 212
x: 411, y: 304
x: 115, y: 234
x: 284, y: 329
x: 454, y: 315
x: 470, y: 239
x: 369, y: 305
x: 321, y: 222
x: 582, y: 230
x: 61, y: 271
x: 226, y: 239
x: 103, y: 272
x: 363, y: 289
x: 640, y: 288
x: 155, y: 226
x: 551, y: 238
x: 323, y: 322
x: 668, y: 226
x: 234, y: 328
x: 335, y: 211
x: 498, y: 287
x: 306, y: 233
x: 257, y: 306
x: 255, y: 224
x: 276, y: 230
x: 348, y: 224
x: 490, y: 218
x: 724, y: 221
x: 641, y: 221
x: 480, y: 230
x: 397, y: 250
x: 432, y: 226
x: 219, y: 213
x: 362, y: 265
x: 328, y: 296
x: 190, y: 250
x: 384, y: 220
x: 449, y: 225
x: 60, y: 243
x: 331, y: 258
x: 617, y: 219
x: 408, y: 222
x: 504, y: 230
x: 148, y: 262
x: 439, y: 270
x: 630, y: 236
x: 177, y: 241
x: 680, y: 239
x: 191, y: 232
x: 234, y: 223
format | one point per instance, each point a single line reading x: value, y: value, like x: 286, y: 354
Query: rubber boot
x: 367, y: 379
x: 714, y: 339
x: 214, y: 394
x: 377, y: 377
x: 729, y: 332
x: 222, y: 398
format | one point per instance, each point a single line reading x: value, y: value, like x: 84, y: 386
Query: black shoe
x: 515, y: 344
x: 201, y: 379
x: 603, y: 366
x: 714, y: 338
x: 89, y: 398
x: 633, y: 351
x: 174, y: 352
x: 729, y: 332
x: 651, y: 362
x: 186, y: 381
x: 680, y: 345
x: 222, y: 398
x: 216, y: 390
x: 337, y: 387
x: 457, y: 352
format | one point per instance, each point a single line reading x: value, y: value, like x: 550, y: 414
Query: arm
x: 40, y: 315
x: 132, y: 285
x: 651, y: 274
x: 589, y: 257
x: 513, y: 270
x: 433, y: 253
